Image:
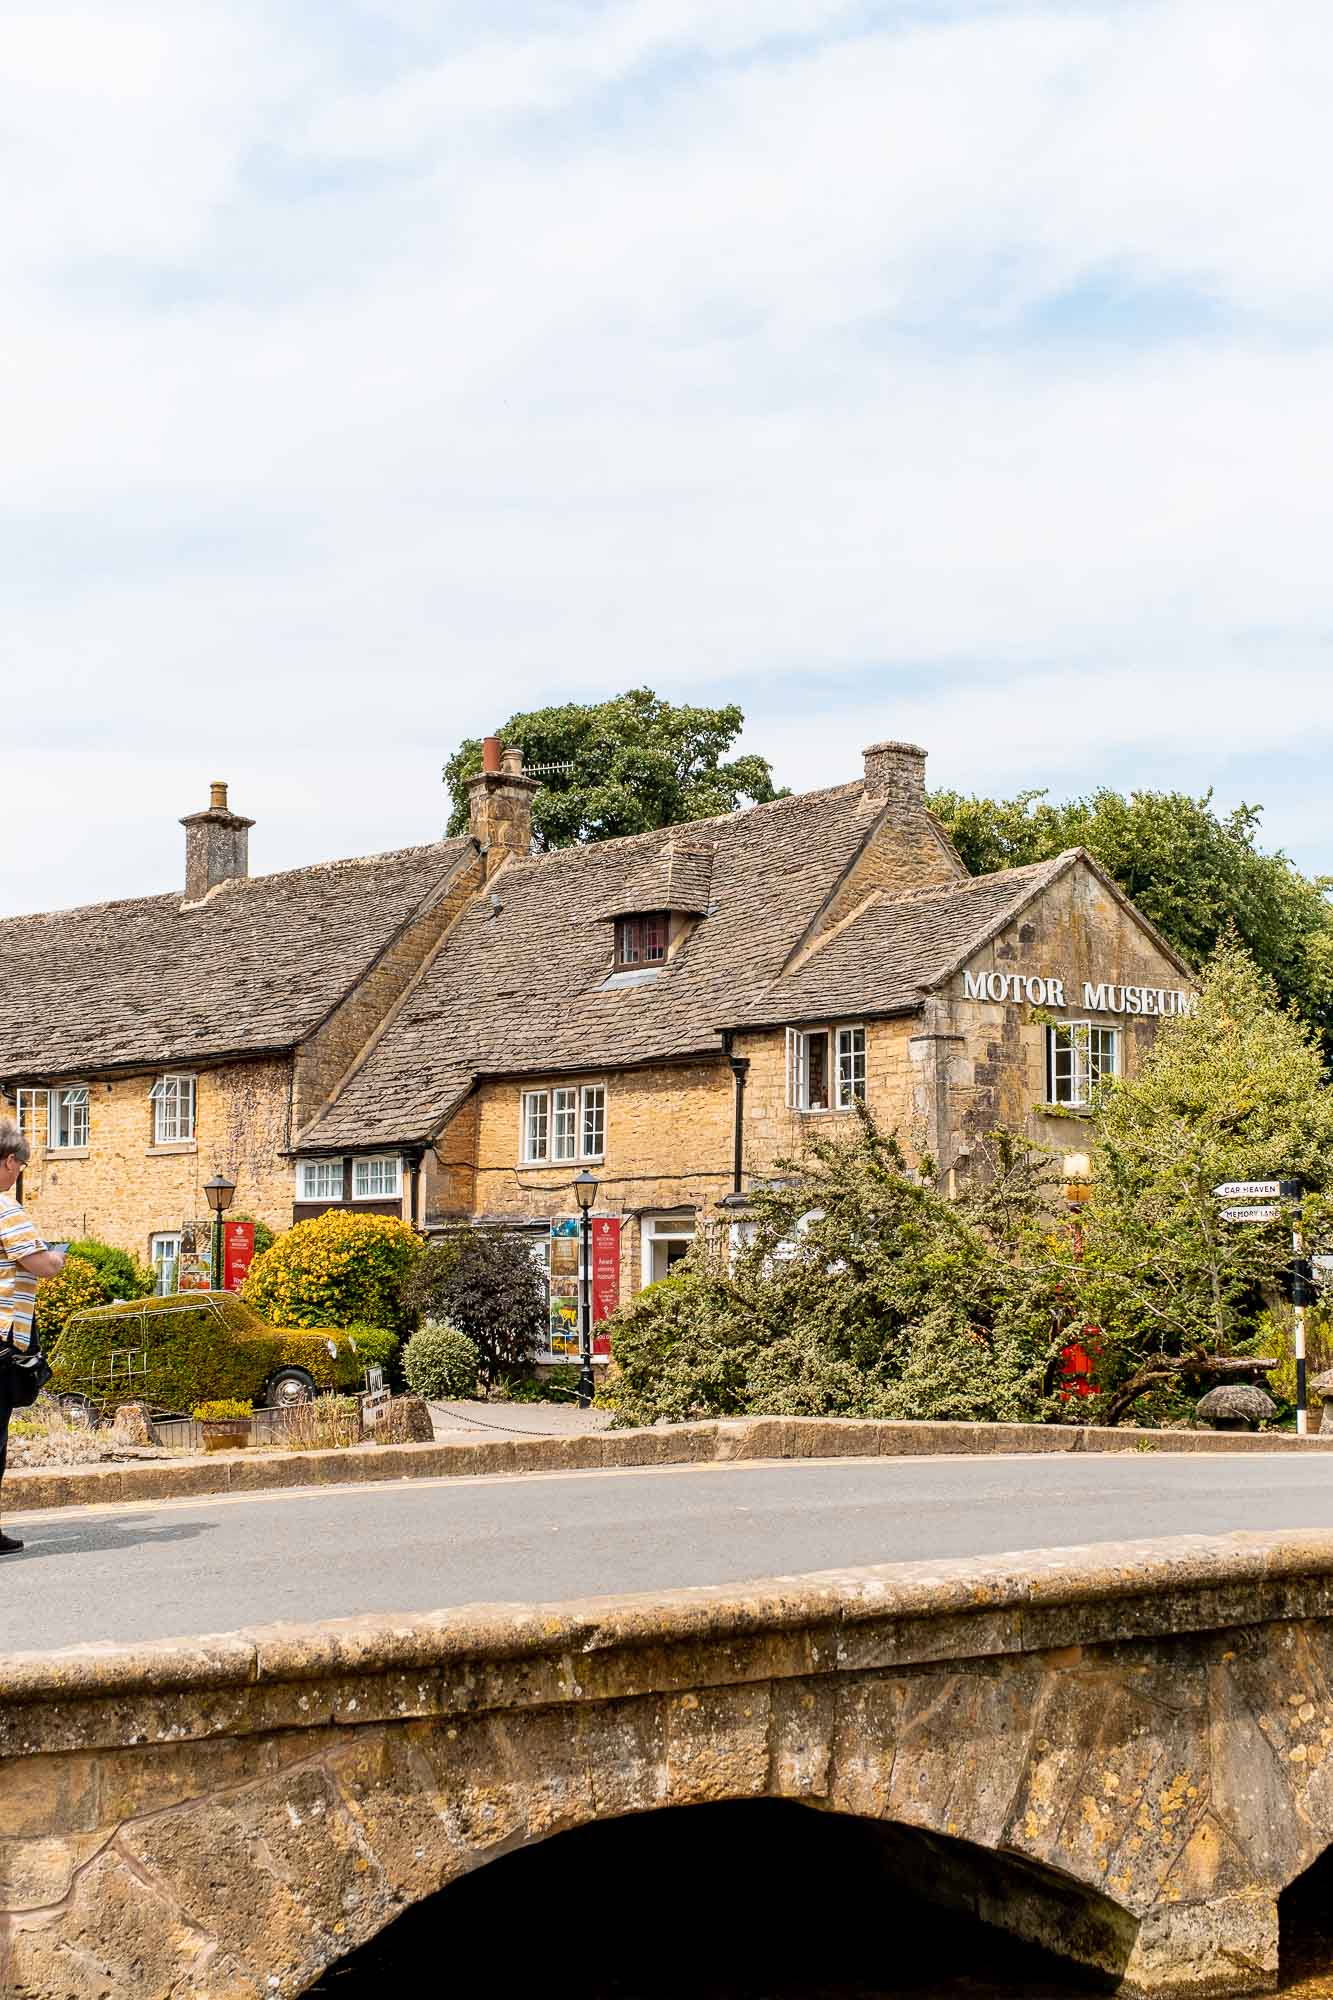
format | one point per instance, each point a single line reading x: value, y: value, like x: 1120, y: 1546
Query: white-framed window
x: 564, y: 1124
x: 536, y: 1124
x: 173, y: 1099
x: 30, y: 1106
x: 378, y: 1177
x: 1079, y: 1054
x: 851, y: 1079
x: 164, y: 1251
x: 665, y: 1240
x: 567, y: 1123
x: 809, y: 1084
x: 592, y: 1135
x: 67, y: 1118
x: 319, y: 1180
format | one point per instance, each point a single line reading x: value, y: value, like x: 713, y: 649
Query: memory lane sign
x: 1259, y: 1201
x: 1263, y: 1212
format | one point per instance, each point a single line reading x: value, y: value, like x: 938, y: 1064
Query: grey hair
x: 13, y: 1142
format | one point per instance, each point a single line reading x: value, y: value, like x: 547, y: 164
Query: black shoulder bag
x: 28, y: 1373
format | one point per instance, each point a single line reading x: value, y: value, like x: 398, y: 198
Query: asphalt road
x: 149, y: 1571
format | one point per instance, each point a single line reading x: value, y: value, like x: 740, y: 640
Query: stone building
x: 456, y: 1031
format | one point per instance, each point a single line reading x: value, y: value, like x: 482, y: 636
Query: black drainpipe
x: 740, y: 1068
x: 414, y: 1198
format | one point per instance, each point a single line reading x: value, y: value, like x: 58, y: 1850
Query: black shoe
x: 8, y: 1545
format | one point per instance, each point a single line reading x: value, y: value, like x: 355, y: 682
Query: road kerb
x: 34, y: 1489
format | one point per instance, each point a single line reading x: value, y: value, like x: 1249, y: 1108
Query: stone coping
x: 31, y: 1489
x: 485, y: 1657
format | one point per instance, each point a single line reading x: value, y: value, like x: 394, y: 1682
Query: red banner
x: 605, y: 1277
x: 238, y: 1249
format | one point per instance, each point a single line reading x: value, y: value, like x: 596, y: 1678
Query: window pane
x: 564, y: 1116
x: 654, y: 934
x: 594, y: 1121
x: 629, y: 941
x: 534, y: 1124
x: 851, y: 1066
x: 816, y: 1072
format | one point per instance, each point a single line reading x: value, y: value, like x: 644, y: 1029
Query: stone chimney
x: 896, y: 773
x: 499, y: 804
x: 217, y: 846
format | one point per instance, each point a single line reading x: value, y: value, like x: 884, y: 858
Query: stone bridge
x: 1119, y: 1752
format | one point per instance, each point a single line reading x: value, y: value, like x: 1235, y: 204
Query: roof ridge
x: 684, y: 826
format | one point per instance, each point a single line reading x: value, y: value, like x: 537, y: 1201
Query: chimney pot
x: 896, y: 773
x: 511, y: 761
x: 490, y: 756
x: 217, y: 795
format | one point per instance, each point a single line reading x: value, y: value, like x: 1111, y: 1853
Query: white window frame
x: 160, y: 1264
x: 849, y: 1082
x: 67, y: 1119
x: 564, y: 1127
x: 592, y: 1121
x: 663, y: 1229
x: 174, y: 1099
x: 383, y: 1161
x: 798, y: 1069
x: 1093, y: 1052
x: 29, y: 1103
x: 557, y: 1124
x: 534, y: 1136
x: 313, y: 1171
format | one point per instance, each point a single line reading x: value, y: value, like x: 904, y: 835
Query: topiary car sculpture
x: 194, y: 1347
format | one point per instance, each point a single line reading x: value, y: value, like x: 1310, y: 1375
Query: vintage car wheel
x: 289, y: 1387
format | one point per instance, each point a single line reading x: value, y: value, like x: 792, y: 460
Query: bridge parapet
x: 1120, y: 1752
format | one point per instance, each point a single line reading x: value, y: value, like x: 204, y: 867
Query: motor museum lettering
x: 1035, y: 989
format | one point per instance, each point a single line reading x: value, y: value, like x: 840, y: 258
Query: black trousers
x: 6, y: 1412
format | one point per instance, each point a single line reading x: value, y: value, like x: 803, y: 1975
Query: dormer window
x: 641, y: 941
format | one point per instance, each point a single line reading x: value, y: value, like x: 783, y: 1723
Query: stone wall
x: 123, y: 1189
x: 1121, y: 1753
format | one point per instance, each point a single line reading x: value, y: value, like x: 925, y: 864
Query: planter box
x: 226, y: 1433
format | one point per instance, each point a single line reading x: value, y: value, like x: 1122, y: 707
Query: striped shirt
x: 18, y: 1288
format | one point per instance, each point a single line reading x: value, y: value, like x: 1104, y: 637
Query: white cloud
x: 370, y: 373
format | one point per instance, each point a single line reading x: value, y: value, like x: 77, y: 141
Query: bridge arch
x: 1097, y: 1750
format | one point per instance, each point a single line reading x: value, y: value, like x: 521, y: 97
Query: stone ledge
x: 33, y: 1489
x: 480, y: 1657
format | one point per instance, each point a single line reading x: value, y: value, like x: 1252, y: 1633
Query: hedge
x: 197, y: 1347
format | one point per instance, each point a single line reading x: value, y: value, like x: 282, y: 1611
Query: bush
x: 376, y: 1347
x: 488, y: 1285
x: 335, y: 1270
x: 76, y: 1287
x: 440, y: 1362
x: 121, y: 1276
x: 222, y: 1410
x: 175, y: 1352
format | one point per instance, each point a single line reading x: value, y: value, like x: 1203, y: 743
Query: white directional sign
x: 1249, y: 1190
x: 1268, y: 1212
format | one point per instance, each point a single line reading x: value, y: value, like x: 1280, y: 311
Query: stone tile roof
x: 676, y: 877
x: 523, y: 992
x: 255, y: 967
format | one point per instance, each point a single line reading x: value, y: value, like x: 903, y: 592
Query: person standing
x: 24, y: 1258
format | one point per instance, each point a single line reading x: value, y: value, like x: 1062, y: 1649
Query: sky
x: 931, y: 369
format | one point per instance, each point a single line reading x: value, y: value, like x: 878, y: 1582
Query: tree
x: 1236, y: 1091
x: 864, y: 1291
x: 488, y: 1286
x: 621, y: 766
x: 1195, y: 874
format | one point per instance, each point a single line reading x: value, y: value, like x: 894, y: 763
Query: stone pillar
x: 499, y: 804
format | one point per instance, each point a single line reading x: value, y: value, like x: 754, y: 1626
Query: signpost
x: 1262, y: 1201
x: 238, y: 1249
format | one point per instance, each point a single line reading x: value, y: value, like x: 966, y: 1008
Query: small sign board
x: 238, y: 1251
x: 1264, y: 1212
x: 375, y: 1402
x: 1248, y: 1190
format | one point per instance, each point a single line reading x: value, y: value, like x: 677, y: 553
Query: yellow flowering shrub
x: 334, y: 1270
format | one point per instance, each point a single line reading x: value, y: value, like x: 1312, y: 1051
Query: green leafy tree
x: 621, y: 766
x: 121, y: 1276
x: 1235, y: 1092
x: 1196, y: 874
x: 487, y: 1286
x: 864, y: 1291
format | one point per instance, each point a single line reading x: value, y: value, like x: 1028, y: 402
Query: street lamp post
x: 585, y: 1194
x: 221, y: 1193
